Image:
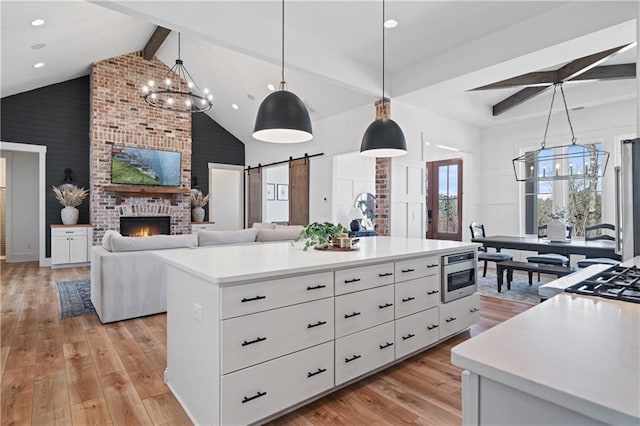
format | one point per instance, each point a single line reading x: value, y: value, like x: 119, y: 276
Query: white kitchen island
x: 572, y: 360
x: 256, y: 330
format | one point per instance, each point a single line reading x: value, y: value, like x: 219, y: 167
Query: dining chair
x: 477, y: 231
x: 594, y: 233
x: 550, y: 258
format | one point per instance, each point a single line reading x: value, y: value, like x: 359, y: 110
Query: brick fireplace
x: 120, y: 116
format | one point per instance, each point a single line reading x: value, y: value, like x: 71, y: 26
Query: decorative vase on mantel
x: 197, y: 214
x: 69, y: 215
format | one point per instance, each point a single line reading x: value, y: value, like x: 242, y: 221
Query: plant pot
x: 197, y: 214
x: 69, y: 215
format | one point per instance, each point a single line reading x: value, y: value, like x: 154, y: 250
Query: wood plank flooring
x: 78, y: 371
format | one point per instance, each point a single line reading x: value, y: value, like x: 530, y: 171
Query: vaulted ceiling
x: 439, y: 51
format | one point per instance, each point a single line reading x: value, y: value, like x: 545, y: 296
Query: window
x: 577, y: 200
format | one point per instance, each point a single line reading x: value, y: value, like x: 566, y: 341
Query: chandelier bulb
x: 203, y: 102
x: 206, y: 91
x: 167, y: 82
x: 210, y: 97
x: 190, y: 85
x: 170, y: 101
x: 145, y: 89
x: 187, y: 103
x: 151, y: 83
x: 153, y: 96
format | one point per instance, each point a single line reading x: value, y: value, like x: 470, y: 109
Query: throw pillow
x: 214, y: 238
x: 153, y: 242
x: 259, y: 225
x: 106, y: 239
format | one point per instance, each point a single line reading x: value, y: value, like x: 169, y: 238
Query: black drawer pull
x: 259, y: 339
x: 432, y: 266
x: 386, y: 305
x: 408, y: 299
x: 473, y: 310
x: 315, y: 373
x: 355, y: 280
x: 251, y: 299
x: 316, y: 324
x: 251, y: 398
x: 408, y: 270
x: 353, y: 358
x: 408, y: 336
x: 316, y: 287
x: 431, y: 327
x: 386, y: 345
x: 433, y: 292
x: 355, y: 314
x: 386, y: 274
x: 450, y: 319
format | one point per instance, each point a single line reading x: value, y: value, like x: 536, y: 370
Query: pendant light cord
x: 178, y: 45
x: 282, y: 80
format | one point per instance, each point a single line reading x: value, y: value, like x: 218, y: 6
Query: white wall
x: 22, y: 206
x: 502, y: 209
x: 320, y: 189
x: 275, y: 210
x: 407, y: 197
x: 353, y: 175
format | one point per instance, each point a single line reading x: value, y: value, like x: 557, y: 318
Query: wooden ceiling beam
x: 529, y: 79
x: 155, y: 41
x: 517, y: 98
x: 608, y: 72
x: 584, y: 64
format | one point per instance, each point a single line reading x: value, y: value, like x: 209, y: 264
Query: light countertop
x: 579, y: 352
x: 229, y: 264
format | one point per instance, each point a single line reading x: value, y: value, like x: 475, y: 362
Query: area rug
x: 75, y: 298
x: 520, y: 291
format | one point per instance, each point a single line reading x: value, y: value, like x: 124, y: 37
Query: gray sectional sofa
x: 128, y: 282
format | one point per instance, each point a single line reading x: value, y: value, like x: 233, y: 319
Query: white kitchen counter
x: 577, y: 352
x: 230, y: 264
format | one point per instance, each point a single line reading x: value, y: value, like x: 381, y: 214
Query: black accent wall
x: 211, y: 143
x: 57, y: 116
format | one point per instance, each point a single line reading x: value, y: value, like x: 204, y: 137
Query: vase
x: 69, y: 215
x: 556, y: 230
x: 197, y: 214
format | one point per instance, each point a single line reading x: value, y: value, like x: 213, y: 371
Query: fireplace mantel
x: 145, y: 191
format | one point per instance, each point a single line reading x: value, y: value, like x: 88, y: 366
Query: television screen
x: 139, y: 166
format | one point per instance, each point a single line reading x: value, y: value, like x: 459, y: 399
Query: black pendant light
x: 282, y: 116
x: 383, y: 137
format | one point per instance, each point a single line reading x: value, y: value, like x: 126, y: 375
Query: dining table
x: 590, y: 249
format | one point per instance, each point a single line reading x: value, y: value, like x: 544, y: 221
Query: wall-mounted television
x: 139, y: 166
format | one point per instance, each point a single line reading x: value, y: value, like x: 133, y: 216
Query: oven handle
x: 458, y: 267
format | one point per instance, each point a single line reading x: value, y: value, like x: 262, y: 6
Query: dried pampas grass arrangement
x: 199, y: 200
x: 70, y: 195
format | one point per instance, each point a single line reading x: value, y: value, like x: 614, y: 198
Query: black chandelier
x: 562, y: 162
x: 177, y: 91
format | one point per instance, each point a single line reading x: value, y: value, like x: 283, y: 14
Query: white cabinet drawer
x: 459, y: 314
x: 355, y: 279
x: 416, y: 331
x: 364, y: 309
x: 362, y: 352
x: 252, y: 339
x: 417, y: 295
x: 416, y: 268
x: 256, y: 392
x: 250, y: 298
x: 68, y: 232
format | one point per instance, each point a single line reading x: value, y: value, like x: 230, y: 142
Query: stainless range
x: 618, y: 283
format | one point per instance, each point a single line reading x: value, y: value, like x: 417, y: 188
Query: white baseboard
x: 21, y: 257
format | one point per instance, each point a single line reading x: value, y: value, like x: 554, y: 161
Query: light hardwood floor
x: 78, y: 371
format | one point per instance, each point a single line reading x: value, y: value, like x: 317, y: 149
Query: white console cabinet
x: 251, y: 334
x: 70, y: 245
x: 202, y: 226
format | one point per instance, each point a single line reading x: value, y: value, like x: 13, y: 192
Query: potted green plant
x: 320, y: 234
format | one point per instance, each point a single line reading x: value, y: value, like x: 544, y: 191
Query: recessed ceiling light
x: 251, y: 97
x: 38, y: 46
x: 38, y: 65
x: 390, y: 23
x: 271, y: 87
x: 234, y: 106
x: 37, y: 22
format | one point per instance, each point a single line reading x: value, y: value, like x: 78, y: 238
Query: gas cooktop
x: 618, y: 283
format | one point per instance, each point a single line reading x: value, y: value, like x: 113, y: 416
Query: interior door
x: 444, y: 199
x: 299, y: 192
x: 254, y: 196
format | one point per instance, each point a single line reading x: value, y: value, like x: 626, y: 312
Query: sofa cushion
x: 106, y: 239
x: 214, y: 238
x: 279, y: 234
x: 153, y: 242
x: 259, y: 225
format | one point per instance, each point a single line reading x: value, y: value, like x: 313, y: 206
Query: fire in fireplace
x: 145, y: 225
